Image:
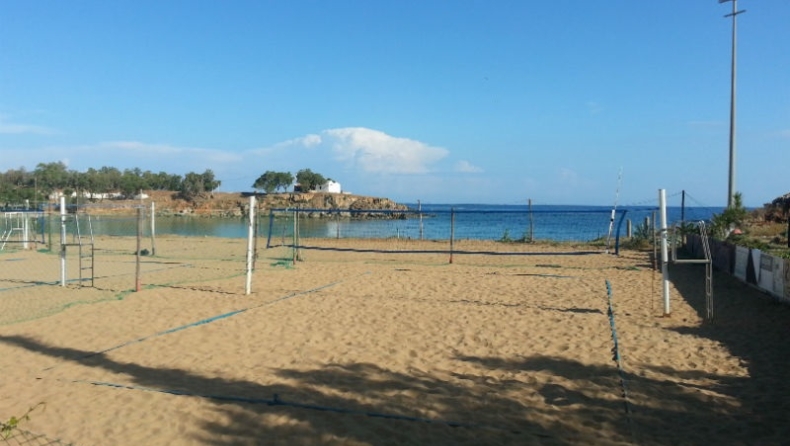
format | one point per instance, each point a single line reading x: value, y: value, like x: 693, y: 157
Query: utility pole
x: 731, y: 185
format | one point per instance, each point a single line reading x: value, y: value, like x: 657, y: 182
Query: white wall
x: 331, y: 187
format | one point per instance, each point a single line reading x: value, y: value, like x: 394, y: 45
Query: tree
x: 195, y: 184
x: 52, y: 176
x: 271, y: 181
x: 309, y: 180
x: 209, y: 182
x: 110, y: 178
x: 722, y: 225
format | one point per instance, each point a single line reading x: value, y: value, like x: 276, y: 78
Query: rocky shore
x: 234, y: 204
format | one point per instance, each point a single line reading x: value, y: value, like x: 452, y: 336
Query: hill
x: 234, y: 204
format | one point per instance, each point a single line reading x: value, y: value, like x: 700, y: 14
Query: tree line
x: 18, y: 185
x: 272, y: 181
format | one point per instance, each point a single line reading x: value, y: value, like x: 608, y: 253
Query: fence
x: 764, y: 271
x: 51, y: 261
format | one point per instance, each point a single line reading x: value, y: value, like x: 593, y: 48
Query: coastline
x: 236, y: 204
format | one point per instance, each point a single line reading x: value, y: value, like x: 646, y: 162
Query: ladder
x: 9, y: 230
x: 708, y: 261
x: 15, y: 222
x: 85, y: 248
x: 4, y: 238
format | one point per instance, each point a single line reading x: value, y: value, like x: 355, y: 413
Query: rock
x: 778, y: 210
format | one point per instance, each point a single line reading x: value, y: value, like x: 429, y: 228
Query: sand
x: 365, y: 348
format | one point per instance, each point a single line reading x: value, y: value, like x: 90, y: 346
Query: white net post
x: 250, y: 244
x: 62, y: 241
x: 662, y: 203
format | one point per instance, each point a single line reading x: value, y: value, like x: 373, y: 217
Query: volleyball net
x: 451, y: 231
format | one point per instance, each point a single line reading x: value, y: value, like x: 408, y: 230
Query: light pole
x: 731, y: 184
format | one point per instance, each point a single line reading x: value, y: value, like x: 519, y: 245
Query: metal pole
x: 683, y: 207
x: 731, y: 183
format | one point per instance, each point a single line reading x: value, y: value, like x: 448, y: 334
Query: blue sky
x: 440, y: 101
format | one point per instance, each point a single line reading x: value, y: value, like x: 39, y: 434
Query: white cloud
x: 17, y: 129
x: 783, y: 134
x: 355, y: 156
x: 568, y: 177
x: 168, y: 152
x: 365, y: 150
x: 705, y: 124
x: 374, y: 151
x: 466, y: 167
x: 594, y: 108
x: 307, y: 141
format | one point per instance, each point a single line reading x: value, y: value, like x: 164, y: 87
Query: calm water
x: 468, y: 221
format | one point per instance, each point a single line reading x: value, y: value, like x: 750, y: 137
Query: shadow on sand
x: 754, y: 328
x: 365, y: 404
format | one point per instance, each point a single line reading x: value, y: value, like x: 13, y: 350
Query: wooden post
x: 531, y: 222
x: 419, y: 210
x: 139, y: 244
x: 271, y: 227
x: 452, y: 232
x: 296, y: 215
x: 250, y: 244
x: 153, y: 228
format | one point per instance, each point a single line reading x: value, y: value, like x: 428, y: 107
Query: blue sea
x: 433, y: 222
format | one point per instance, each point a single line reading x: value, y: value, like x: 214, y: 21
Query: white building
x: 332, y: 187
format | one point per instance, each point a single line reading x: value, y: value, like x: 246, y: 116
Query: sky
x: 442, y: 101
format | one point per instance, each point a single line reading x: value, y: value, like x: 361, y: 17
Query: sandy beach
x: 367, y: 348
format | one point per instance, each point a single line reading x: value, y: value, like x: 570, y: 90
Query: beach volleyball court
x: 371, y: 348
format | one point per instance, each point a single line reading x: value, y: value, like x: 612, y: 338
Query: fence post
x: 50, y: 224
x: 139, y: 244
x: 419, y: 210
x: 531, y: 223
x: 271, y: 226
x: 452, y: 232
x: 662, y: 202
x: 62, y: 241
x: 617, y: 232
x: 250, y: 235
x: 153, y: 228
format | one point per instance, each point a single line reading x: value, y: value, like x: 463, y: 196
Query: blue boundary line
x: 204, y: 321
x: 617, y: 359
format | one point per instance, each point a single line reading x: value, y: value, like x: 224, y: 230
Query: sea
x: 432, y: 222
